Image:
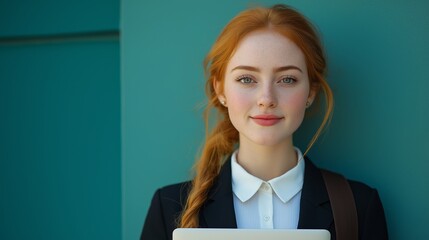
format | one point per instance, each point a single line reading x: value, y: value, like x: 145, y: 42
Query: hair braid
x: 219, y: 144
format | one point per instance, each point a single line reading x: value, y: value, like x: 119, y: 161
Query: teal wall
x: 60, y: 120
x: 377, y: 52
x: 47, y: 17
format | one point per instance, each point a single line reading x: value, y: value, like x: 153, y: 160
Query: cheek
x: 236, y: 97
x: 237, y: 102
x: 297, y: 100
x: 295, y: 108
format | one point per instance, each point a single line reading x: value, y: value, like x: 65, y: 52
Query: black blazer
x: 218, y: 211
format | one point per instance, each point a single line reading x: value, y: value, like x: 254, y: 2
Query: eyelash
x: 291, y: 78
x: 241, y: 78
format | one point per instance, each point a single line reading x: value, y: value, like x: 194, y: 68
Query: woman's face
x: 266, y: 88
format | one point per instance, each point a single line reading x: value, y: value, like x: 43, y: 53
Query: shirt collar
x: 286, y: 186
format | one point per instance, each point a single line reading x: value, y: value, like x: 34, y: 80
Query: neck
x: 266, y: 162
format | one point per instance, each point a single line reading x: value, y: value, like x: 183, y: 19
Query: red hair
x: 221, y: 140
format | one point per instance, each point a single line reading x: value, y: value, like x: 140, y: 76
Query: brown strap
x: 343, y: 206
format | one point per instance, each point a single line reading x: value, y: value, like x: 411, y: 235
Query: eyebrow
x: 255, y: 69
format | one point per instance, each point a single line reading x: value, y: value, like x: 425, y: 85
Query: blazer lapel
x: 218, y: 211
x: 315, y: 210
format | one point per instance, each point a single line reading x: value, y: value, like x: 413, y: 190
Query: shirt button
x: 265, y: 187
x: 266, y: 218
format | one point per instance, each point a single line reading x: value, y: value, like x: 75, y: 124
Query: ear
x: 312, y: 94
x: 218, y: 89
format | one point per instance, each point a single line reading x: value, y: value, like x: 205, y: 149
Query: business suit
x: 218, y: 211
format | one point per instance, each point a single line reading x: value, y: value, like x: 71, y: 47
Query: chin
x: 269, y: 141
x: 267, y: 138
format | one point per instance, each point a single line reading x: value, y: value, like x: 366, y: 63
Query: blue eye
x: 246, y: 79
x: 287, y: 80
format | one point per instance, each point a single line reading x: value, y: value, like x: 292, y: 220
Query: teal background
x: 27, y: 17
x: 100, y: 105
x: 60, y: 155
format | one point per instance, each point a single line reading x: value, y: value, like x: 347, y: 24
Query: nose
x: 267, y: 97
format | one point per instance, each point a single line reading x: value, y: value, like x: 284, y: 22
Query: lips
x: 266, y: 119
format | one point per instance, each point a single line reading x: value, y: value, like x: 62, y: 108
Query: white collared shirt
x: 267, y: 204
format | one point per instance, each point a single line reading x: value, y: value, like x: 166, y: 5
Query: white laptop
x: 249, y: 234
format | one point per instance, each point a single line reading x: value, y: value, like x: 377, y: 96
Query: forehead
x: 267, y: 49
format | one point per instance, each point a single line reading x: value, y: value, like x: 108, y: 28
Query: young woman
x: 264, y: 71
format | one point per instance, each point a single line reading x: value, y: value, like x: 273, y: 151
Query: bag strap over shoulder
x: 343, y: 206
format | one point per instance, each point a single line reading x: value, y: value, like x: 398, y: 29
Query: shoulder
x: 173, y: 196
x: 361, y: 191
x: 364, y: 196
x: 371, y: 217
x: 164, y: 211
x: 175, y: 192
x: 370, y: 211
